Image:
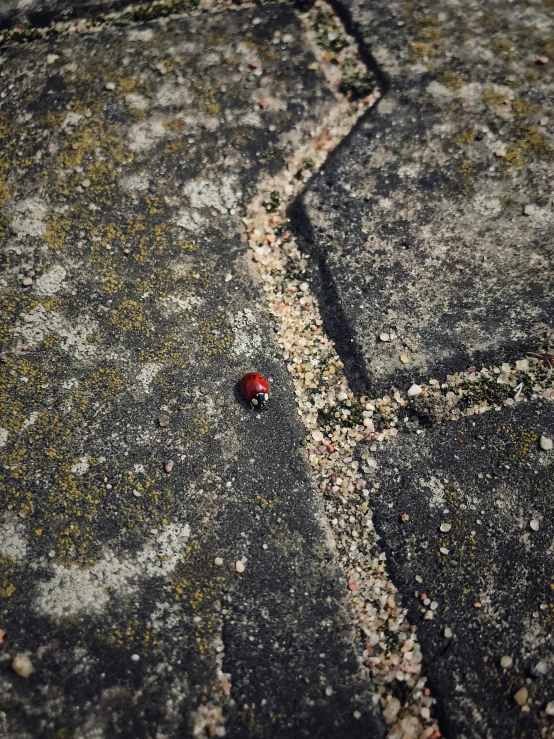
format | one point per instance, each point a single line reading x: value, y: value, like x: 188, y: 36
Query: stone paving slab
x: 15, y: 14
x: 432, y: 224
x: 133, y: 476
x: 490, y: 577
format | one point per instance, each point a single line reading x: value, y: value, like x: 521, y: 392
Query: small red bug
x: 255, y: 389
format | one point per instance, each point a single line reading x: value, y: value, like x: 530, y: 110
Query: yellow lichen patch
x: 4, y: 192
x: 468, y: 172
x: 154, y: 241
x: 89, y: 136
x: 11, y: 309
x: 266, y: 51
x: 174, y: 124
x: 529, y: 141
x: 504, y: 49
x: 112, y: 281
x: 104, y: 382
x: 523, y: 108
x: 466, y: 137
x: 216, y: 335
x: 57, y: 229
x: 133, y: 634
x: 452, y: 80
x: 491, y: 97
x: 129, y: 316
x: 7, y: 571
x: 127, y: 85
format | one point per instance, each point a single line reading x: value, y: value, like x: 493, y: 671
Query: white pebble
x: 304, y: 287
x: 549, y: 710
x: 415, y: 390
x: 22, y: 665
x: 384, y: 337
x: 546, y: 443
x: 317, y: 435
x: 529, y: 209
x: 218, y: 561
x: 228, y: 277
x: 448, y: 632
x: 445, y: 527
x: 135, y: 657
x: 239, y: 566
x: 51, y: 58
x: 110, y: 85
x: 534, y: 524
x: 506, y: 662
x: 444, y: 550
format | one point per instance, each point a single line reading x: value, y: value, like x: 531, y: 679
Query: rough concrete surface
x: 489, y: 578
x: 133, y: 476
x: 433, y: 223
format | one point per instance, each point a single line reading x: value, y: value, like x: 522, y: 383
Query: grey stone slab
x: 489, y: 479
x: 15, y: 14
x: 433, y: 222
x: 128, y: 159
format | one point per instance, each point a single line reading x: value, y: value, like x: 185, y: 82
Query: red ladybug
x: 255, y: 389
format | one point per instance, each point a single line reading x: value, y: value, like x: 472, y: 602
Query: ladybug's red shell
x: 255, y: 388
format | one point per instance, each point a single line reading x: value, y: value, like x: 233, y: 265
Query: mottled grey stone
x: 130, y: 156
x: 419, y: 224
x: 488, y: 477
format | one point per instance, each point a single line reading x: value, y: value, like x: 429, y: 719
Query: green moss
x: 328, y: 35
x: 274, y: 201
x: 356, y: 80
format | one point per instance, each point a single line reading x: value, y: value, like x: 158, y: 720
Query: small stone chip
x: 51, y: 58
x: 506, y: 662
x: 353, y: 586
x: 169, y: 465
x: 448, y: 632
x: 28, y: 281
x: 384, y: 337
x: 163, y: 420
x: 477, y: 604
x: 415, y: 390
x: 521, y: 696
x: 218, y: 561
x: 444, y: 550
x: 529, y: 209
x: 22, y: 665
x: 534, y: 524
x: 445, y: 527
x: 2, y: 635
x: 135, y: 657
x: 110, y: 85
x: 549, y: 710
x: 240, y: 566
x: 404, y: 358
x: 546, y: 443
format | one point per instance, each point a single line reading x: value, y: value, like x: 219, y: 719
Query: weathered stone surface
x: 18, y: 14
x: 487, y: 477
x: 433, y: 223
x: 129, y: 157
